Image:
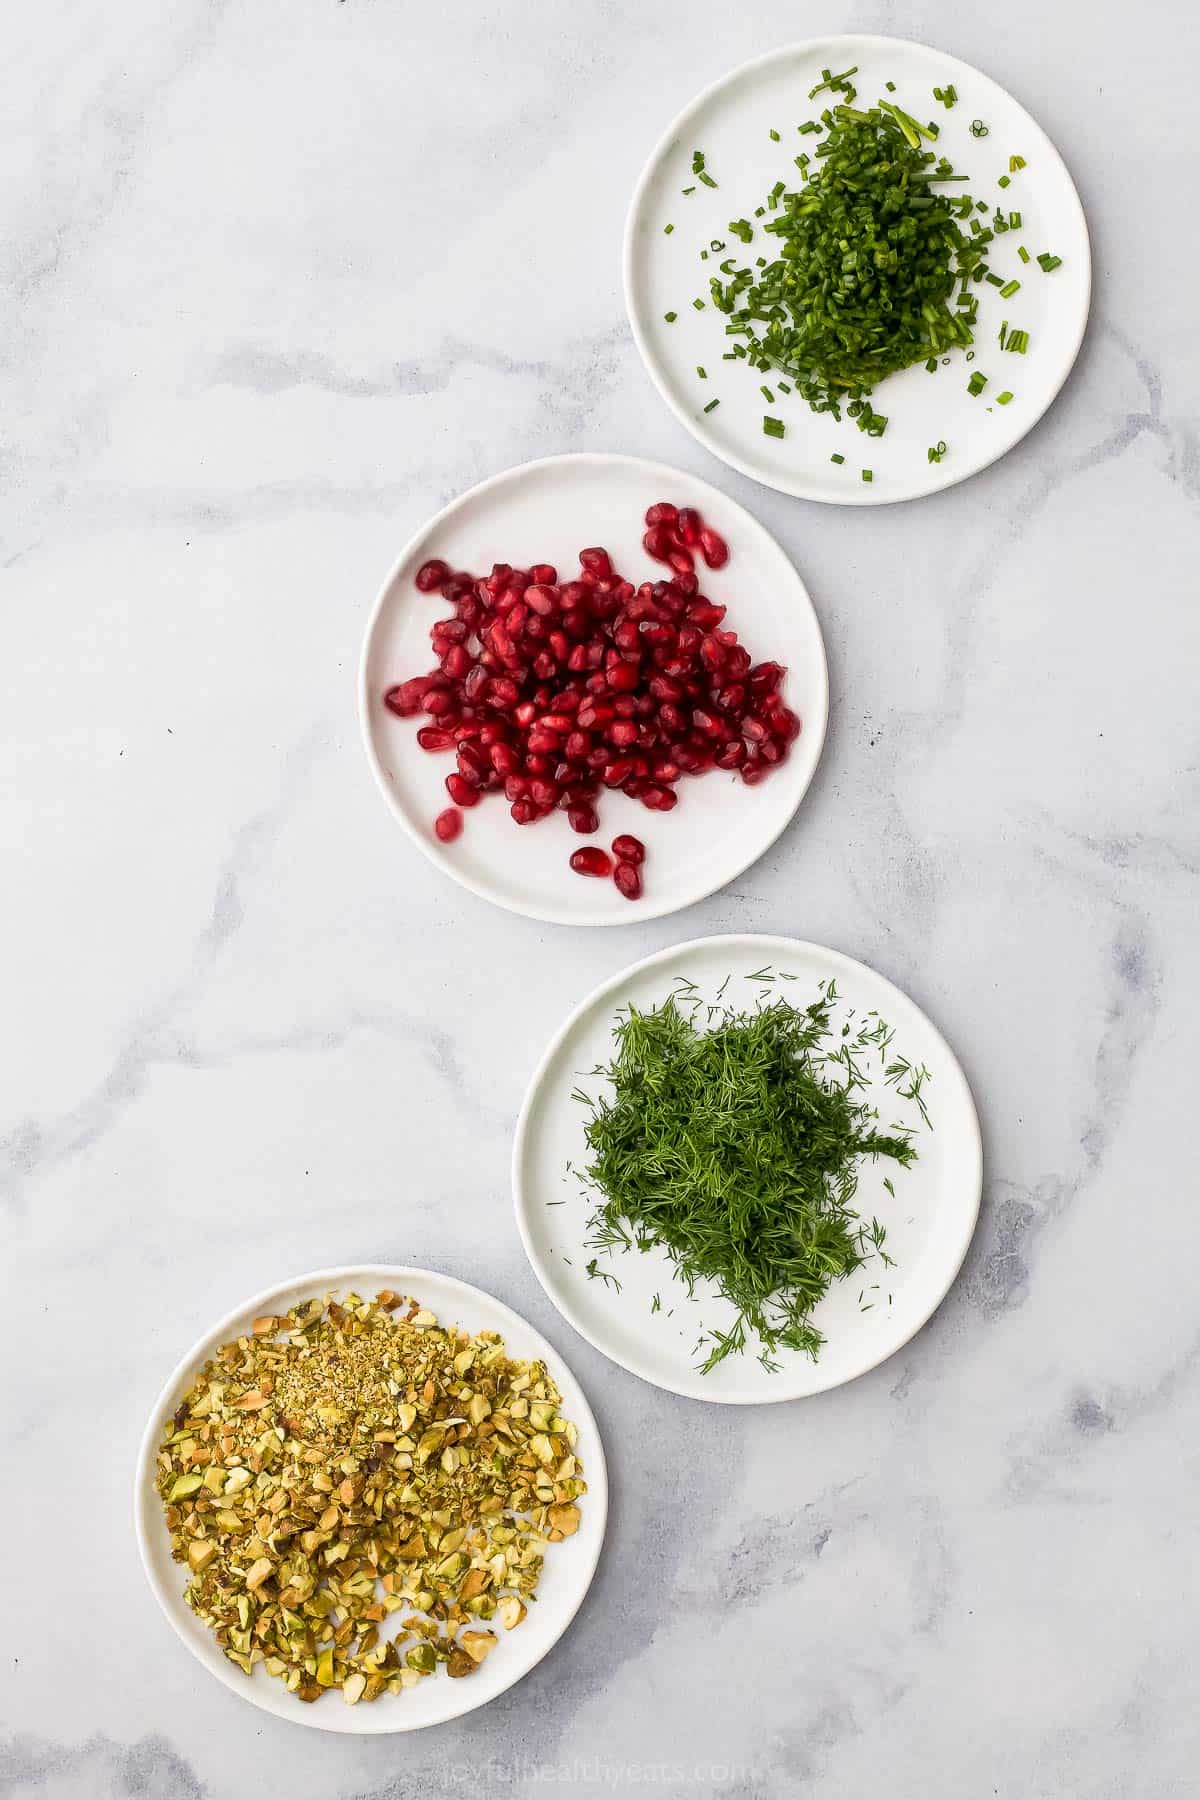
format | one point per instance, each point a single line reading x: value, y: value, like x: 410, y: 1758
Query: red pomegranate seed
x: 628, y: 878
x: 661, y: 513
x: 545, y: 574
x: 660, y: 799
x: 658, y: 542
x: 448, y: 824
x: 629, y: 849
x: 583, y: 819
x: 461, y: 791
x: 596, y: 562
x: 713, y: 548
x: 681, y: 561
x: 432, y: 575
x: 591, y: 860
x: 689, y: 525
x: 623, y: 676
x: 407, y: 699
x: 431, y: 737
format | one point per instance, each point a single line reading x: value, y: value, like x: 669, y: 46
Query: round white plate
x: 929, y: 1217
x: 731, y: 123
x: 547, y: 512
x: 568, y: 1572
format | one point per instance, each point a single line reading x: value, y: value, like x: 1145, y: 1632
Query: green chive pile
x: 872, y: 247
x: 733, y: 1139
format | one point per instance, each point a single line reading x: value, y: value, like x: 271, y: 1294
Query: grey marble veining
x: 277, y: 281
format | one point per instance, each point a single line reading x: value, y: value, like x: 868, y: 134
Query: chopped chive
x: 1018, y: 341
x: 774, y: 137
x: 706, y: 178
x: 767, y: 395
x: 1015, y: 163
x: 784, y: 387
x: 667, y: 230
x: 742, y: 228
x: 937, y: 451
x: 1003, y: 181
x: 891, y: 86
x: 688, y: 190
x: 947, y: 95
x: 1009, y: 289
x: 837, y: 458
x: 836, y: 84
x: 996, y: 280
x: 1014, y: 221
x: 711, y: 404
x: 868, y: 474
x: 977, y: 382
x: 772, y: 427
x: 1003, y: 332
x: 1023, y: 253
x: 1004, y: 398
x: 1048, y: 262
x: 809, y: 125
x: 978, y: 128
x: 931, y: 365
x: 670, y: 317
x: 699, y: 305
x: 702, y: 372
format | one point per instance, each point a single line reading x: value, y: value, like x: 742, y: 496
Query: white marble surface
x: 279, y: 279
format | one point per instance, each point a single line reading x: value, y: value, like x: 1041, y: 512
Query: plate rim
x: 693, y: 1389
x: 864, y: 494
x: 814, y: 732
x: 325, y: 1280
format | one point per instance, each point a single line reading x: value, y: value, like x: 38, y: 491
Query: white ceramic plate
x: 549, y: 511
x: 569, y: 1569
x: 731, y: 122
x: 929, y: 1217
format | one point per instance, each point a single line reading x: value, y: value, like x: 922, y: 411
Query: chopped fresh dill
x: 735, y: 1145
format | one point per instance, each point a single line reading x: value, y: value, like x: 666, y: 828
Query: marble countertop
x: 280, y: 280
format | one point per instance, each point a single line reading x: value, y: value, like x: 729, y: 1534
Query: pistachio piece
x: 478, y: 1644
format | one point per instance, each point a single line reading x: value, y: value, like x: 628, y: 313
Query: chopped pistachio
x: 352, y: 1460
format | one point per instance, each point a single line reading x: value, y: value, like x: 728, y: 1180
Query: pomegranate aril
x: 689, y: 525
x: 439, y: 703
x: 591, y: 860
x: 629, y: 849
x: 432, y: 575
x: 461, y: 791
x: 457, y: 662
x: 541, y: 600
x: 623, y: 676
x: 713, y: 548
x: 433, y: 737
x: 660, y: 799
x: 658, y: 542
x: 407, y: 699
x: 448, y: 824
x: 595, y: 562
x: 731, y: 755
x: 681, y: 561
x: 753, y: 771
x: 623, y: 734
x: 628, y: 879
x: 545, y: 574
x: 583, y: 819
x: 661, y: 513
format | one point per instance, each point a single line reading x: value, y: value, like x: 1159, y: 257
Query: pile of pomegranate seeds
x: 550, y: 692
